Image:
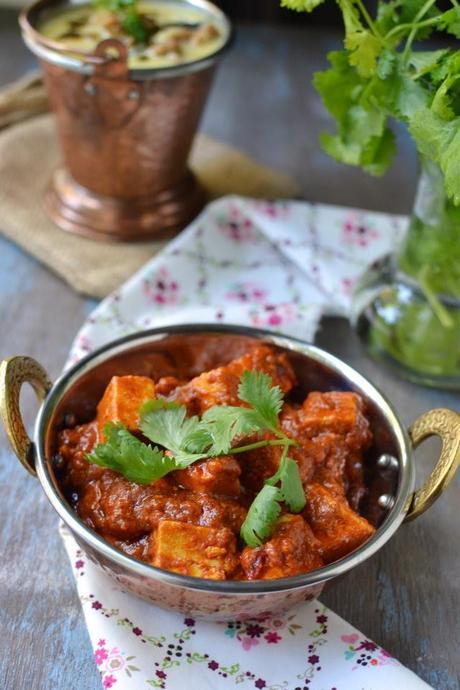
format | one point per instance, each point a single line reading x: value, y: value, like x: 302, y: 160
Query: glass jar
x: 407, y: 306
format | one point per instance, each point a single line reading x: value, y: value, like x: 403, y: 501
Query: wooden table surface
x: 407, y: 596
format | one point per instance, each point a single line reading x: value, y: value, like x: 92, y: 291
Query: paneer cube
x: 292, y: 550
x: 122, y: 400
x: 220, y: 386
x: 331, y: 454
x: 339, y: 413
x: 219, y: 476
x: 191, y: 550
x: 338, y: 527
x: 331, y: 458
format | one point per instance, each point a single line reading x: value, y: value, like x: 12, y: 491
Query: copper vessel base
x: 160, y: 216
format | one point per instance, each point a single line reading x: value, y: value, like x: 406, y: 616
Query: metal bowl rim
x: 389, y: 526
x: 78, y: 65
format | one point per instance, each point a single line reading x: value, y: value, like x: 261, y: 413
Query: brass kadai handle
x: 445, y: 424
x: 13, y: 373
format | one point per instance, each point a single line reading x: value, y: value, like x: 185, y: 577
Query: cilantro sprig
x: 124, y: 453
x: 381, y: 74
x: 130, y: 18
x: 266, y: 507
x: 262, y: 516
x: 180, y: 440
x: 167, y: 425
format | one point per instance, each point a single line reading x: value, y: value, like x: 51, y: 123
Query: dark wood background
x: 271, y: 11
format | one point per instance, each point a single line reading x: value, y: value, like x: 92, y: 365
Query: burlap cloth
x: 29, y: 152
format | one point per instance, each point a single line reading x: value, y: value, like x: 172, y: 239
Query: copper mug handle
x: 116, y: 96
x: 13, y: 373
x: 445, y: 424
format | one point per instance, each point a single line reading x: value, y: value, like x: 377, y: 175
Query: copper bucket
x: 125, y: 135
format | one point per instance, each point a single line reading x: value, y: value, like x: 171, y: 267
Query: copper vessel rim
x: 390, y: 524
x: 56, y: 53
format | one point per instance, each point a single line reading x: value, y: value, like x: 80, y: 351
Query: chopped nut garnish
x: 205, y: 33
x: 181, y: 34
x: 105, y: 19
x: 166, y: 47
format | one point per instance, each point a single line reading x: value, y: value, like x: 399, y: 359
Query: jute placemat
x: 29, y: 152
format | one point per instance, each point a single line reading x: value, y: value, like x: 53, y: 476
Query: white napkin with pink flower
x: 278, y: 265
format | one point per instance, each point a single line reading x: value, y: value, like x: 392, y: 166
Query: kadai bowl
x: 221, y: 471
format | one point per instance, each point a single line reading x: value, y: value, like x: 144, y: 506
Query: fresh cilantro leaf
x: 199, y: 440
x: 363, y: 46
x: 256, y: 389
x: 440, y: 141
x: 364, y: 49
x: 363, y: 139
x: 262, y: 516
x: 115, y: 5
x: 301, y: 5
x: 448, y: 71
x: 445, y: 79
x: 379, y: 152
x: 386, y: 63
x: 351, y: 16
x: 446, y: 67
x: 167, y: 425
x: 450, y: 21
x: 227, y: 423
x: 338, y: 86
x: 411, y: 97
x: 124, y: 453
x: 224, y: 424
x: 442, y: 104
x: 130, y: 18
x: 400, y: 94
x: 387, y: 16
x: 291, y: 490
x: 132, y: 23
x: 409, y: 10
x: 425, y: 61
x: 265, y: 509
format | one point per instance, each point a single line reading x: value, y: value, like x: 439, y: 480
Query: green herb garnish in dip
x: 158, y: 33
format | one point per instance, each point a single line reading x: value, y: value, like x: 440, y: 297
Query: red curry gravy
x: 189, y: 521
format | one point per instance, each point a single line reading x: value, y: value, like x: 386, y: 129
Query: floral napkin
x: 279, y: 265
x: 137, y: 645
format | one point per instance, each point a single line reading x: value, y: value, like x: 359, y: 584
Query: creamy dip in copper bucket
x: 125, y: 133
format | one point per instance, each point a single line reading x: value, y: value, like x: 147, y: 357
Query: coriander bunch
x: 382, y: 73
